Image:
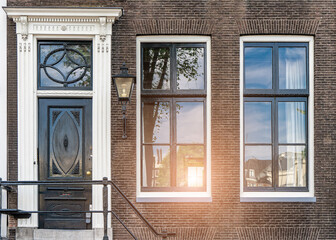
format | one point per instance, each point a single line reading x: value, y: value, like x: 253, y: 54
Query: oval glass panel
x: 65, y: 142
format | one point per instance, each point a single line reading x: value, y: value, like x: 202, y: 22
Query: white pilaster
x: 101, y: 121
x: 3, y: 111
x: 27, y: 134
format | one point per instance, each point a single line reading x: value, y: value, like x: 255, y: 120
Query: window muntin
x: 64, y: 65
x: 279, y: 115
x: 176, y: 114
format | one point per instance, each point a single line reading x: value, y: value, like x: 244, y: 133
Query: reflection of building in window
x: 275, y: 101
x: 258, y: 173
x: 157, y: 165
x: 289, y: 169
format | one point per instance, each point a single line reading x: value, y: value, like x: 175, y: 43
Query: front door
x: 65, y: 140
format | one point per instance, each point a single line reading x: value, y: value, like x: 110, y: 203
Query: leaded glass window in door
x: 65, y: 65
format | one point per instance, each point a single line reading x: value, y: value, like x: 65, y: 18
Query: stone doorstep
x: 56, y: 234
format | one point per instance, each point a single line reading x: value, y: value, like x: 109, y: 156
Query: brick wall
x: 225, y: 217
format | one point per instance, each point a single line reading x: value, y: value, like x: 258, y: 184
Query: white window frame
x: 172, y: 196
x: 280, y: 196
x: 33, y: 24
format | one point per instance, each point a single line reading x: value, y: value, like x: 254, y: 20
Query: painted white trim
x: 280, y: 196
x: 172, y: 196
x: 278, y: 199
x: 69, y: 12
x: 70, y: 93
x: 3, y: 112
x: 174, y: 199
x: 75, y: 26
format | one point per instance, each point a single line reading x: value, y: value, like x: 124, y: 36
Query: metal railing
x: 8, y: 186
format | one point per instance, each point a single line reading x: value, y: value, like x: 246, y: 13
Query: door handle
x: 88, y: 173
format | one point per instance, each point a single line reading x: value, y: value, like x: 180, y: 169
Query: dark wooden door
x: 65, y: 140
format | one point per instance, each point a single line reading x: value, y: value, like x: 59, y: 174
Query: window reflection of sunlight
x: 195, y: 176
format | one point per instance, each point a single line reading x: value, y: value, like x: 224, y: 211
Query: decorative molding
x: 102, y: 21
x: 271, y: 233
x: 60, y: 93
x: 175, y: 26
x: 24, y: 27
x: 63, y: 14
x: 63, y: 28
x: 277, y: 26
x: 84, y: 21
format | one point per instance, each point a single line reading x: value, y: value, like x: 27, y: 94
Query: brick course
x: 226, y: 217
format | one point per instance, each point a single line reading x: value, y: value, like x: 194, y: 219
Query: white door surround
x: 33, y: 24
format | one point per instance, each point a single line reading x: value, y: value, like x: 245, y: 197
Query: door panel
x: 65, y: 140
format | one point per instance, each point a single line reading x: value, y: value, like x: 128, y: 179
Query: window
x: 64, y: 65
x: 276, y: 102
x: 174, y: 133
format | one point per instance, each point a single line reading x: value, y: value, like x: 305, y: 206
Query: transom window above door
x: 64, y: 65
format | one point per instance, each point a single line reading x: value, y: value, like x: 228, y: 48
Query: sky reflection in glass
x: 189, y: 121
x: 258, y: 122
x: 258, y: 68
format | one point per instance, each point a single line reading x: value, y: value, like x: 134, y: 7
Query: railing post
x: 164, y: 234
x: 105, y: 207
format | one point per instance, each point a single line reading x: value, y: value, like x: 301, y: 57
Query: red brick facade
x: 225, y: 21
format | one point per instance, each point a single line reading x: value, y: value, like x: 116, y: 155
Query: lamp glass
x: 124, y: 87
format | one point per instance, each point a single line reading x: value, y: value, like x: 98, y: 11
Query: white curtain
x: 295, y: 113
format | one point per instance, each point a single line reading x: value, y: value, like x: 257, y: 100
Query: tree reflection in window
x: 65, y: 65
x: 170, y: 158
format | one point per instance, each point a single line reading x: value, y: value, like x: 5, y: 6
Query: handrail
x: 7, y: 185
x: 163, y: 235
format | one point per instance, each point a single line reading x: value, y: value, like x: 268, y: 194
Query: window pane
x: 292, y: 68
x: 190, y: 68
x: 258, y: 166
x: 156, y: 68
x: 189, y: 121
x: 258, y: 122
x: 156, y: 166
x: 258, y: 68
x: 292, y: 166
x: 190, y: 166
x: 292, y: 122
x: 155, y: 122
x: 65, y: 65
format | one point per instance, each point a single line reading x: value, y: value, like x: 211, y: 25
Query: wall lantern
x: 124, y: 84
